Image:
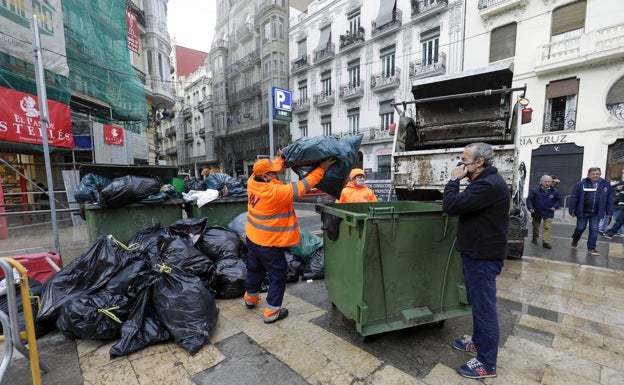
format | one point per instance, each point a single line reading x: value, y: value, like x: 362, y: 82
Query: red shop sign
x: 113, y: 135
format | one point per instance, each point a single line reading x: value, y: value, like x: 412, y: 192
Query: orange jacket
x: 353, y: 194
x: 271, y: 218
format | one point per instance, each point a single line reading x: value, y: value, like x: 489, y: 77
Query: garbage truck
x: 447, y: 113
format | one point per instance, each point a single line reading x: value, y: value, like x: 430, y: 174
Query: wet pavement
x: 561, y: 313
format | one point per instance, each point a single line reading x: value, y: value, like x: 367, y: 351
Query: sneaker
x: 475, y: 369
x: 607, y: 235
x: 272, y: 316
x: 601, y: 232
x: 574, y: 243
x: 546, y: 245
x: 250, y: 302
x: 534, y: 240
x: 465, y: 345
x: 593, y: 252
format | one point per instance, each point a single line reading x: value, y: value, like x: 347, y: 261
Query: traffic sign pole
x: 271, y: 145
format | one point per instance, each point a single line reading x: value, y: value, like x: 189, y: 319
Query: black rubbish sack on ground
x: 129, y: 280
x: 88, y: 190
x: 238, y: 226
x: 295, y: 267
x: 218, y: 243
x: 190, y: 228
x: 226, y: 185
x: 96, y: 316
x: 35, y: 287
x: 146, y: 239
x: 315, y: 268
x: 142, y: 329
x: 86, y: 274
x: 230, y: 278
x: 128, y: 189
x: 175, y: 251
x: 185, y: 307
x: 308, y: 244
x: 304, y: 155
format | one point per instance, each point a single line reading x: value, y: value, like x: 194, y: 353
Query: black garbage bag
x: 142, y: 329
x: 194, y: 184
x: 175, y: 251
x: 230, y: 278
x: 86, y: 274
x: 218, y: 243
x: 238, y: 226
x: 308, y: 244
x: 128, y: 189
x: 189, y: 228
x: 304, y: 155
x: 315, y: 268
x: 185, y: 307
x: 88, y: 190
x: 130, y: 280
x: 295, y: 267
x: 226, y: 185
x: 146, y: 239
x: 96, y: 316
x: 34, y: 288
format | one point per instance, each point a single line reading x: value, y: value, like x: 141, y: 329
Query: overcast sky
x: 192, y: 22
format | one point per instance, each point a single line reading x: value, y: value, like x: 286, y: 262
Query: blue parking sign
x: 282, y: 99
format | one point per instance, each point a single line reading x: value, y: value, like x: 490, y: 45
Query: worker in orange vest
x: 356, y: 190
x: 272, y: 227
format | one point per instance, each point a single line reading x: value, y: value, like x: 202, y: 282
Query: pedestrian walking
x: 542, y: 202
x: 356, y: 189
x: 483, y: 209
x: 272, y: 227
x: 591, y: 199
x: 618, y: 213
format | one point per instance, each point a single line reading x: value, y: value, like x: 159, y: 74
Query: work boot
x: 574, y: 244
x: 593, y: 252
x: 250, y: 302
x: 534, y: 240
x: 546, y: 245
x: 272, y: 316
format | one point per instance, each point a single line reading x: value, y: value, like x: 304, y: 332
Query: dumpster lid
x: 112, y: 171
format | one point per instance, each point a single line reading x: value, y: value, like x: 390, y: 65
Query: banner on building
x: 113, y: 135
x: 20, y: 120
x: 133, y: 31
x: 16, y: 35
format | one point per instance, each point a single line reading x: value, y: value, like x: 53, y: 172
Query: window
x: 430, y: 44
x: 150, y: 65
x: 386, y: 113
x: 561, y: 97
x: 353, y: 116
x: 387, y: 61
x: 568, y: 19
x: 353, y: 72
x: 278, y: 28
x: 326, y: 124
x: 303, y: 91
x: 326, y: 86
x: 383, y: 163
x: 282, y: 65
x: 615, y: 100
x: 325, y: 38
x: 503, y: 42
x: 267, y: 67
x: 303, y: 128
x: 354, y: 22
x: 266, y: 32
x: 302, y: 48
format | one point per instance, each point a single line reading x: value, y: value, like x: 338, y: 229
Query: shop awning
x: 386, y: 12
x: 324, y: 39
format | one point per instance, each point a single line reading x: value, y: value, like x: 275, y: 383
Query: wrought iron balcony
x: 300, y: 64
x: 438, y: 67
x: 352, y: 40
x: 560, y: 121
x: 424, y: 8
x: 376, y: 133
x: 171, y: 151
x: 616, y: 110
x: 301, y: 105
x: 351, y: 91
x: 188, y: 137
x: 187, y: 112
x: 169, y: 132
x: 324, y: 99
x: 384, y: 81
x: 393, y: 25
x: 202, y: 133
x: 321, y: 55
x: 245, y: 32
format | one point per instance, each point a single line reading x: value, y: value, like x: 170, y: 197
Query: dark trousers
x: 270, y: 262
x: 480, y: 277
x: 619, y: 221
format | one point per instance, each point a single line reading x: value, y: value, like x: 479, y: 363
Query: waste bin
x: 124, y: 222
x: 392, y: 265
x: 220, y: 212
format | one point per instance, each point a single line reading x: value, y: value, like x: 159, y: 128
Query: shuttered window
x: 568, y: 18
x: 563, y: 87
x: 503, y: 42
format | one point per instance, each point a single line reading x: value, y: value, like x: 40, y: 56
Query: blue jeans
x: 480, y: 277
x: 581, y: 224
x: 270, y: 262
x: 619, y: 221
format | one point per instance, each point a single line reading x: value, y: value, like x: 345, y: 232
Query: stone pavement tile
x: 557, y: 376
x: 332, y: 374
x: 350, y: 357
x: 567, y: 331
x: 513, y: 362
x: 388, y: 374
x: 224, y: 329
x: 555, y: 358
x: 591, y: 353
x: 94, y: 355
x: 612, y: 331
x: 160, y: 369
x: 207, y: 357
x: 300, y: 357
x: 444, y: 375
x: 303, y: 329
x: 302, y: 308
x: 611, y: 377
x: 616, y: 250
x: 117, y: 372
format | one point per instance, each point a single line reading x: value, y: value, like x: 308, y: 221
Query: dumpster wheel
x: 440, y: 324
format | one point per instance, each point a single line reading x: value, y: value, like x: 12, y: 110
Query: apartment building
x: 570, y: 55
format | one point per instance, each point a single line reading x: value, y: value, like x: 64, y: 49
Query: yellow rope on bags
x: 131, y: 247
x: 164, y: 268
x: 109, y: 314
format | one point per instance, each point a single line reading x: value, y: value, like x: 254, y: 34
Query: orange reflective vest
x: 271, y: 218
x: 353, y: 194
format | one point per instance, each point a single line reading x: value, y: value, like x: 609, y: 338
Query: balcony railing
x: 171, y: 151
x: 244, y: 32
x: 378, y: 30
x: 324, y: 99
x: 616, y: 110
x: 418, y: 70
x: 560, y: 121
x: 187, y: 112
x: 301, y: 105
x: 383, y: 81
x: 351, y: 40
x: 320, y: 55
x: 188, y: 137
x: 248, y: 59
x: 300, y: 64
x: 202, y: 133
x: 350, y: 91
x: 169, y: 132
x: 424, y: 7
x: 220, y: 43
x: 589, y: 48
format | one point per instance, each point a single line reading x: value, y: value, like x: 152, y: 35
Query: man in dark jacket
x: 483, y: 209
x: 542, y: 202
x: 591, y: 198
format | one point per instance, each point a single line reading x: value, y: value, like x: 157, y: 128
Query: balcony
x: 324, y: 54
x: 300, y: 64
x: 219, y: 44
x: 204, y: 104
x: 169, y: 132
x: 188, y: 137
x: 301, y: 105
x: 418, y: 70
x: 381, y: 82
x: 422, y: 9
x: 489, y: 8
x: 249, y: 92
x: 247, y: 60
x: 377, y: 133
x: 324, y: 99
x: 351, y: 91
x: 171, y: 151
x: 585, y: 50
x: 392, y: 26
x: 351, y: 40
x: 245, y: 32
x: 187, y: 112
x: 202, y: 133
x: 560, y: 121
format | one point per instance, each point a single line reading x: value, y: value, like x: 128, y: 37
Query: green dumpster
x: 392, y: 265
x: 123, y: 222
x: 220, y: 212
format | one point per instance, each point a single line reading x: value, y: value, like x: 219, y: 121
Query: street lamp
x: 527, y: 112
